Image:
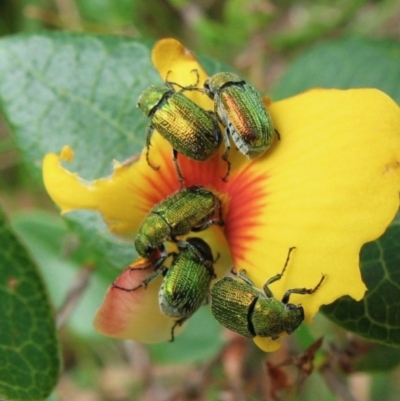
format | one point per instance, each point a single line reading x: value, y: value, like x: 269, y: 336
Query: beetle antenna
x: 185, y: 88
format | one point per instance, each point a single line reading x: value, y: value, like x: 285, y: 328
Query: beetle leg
x: 227, y: 140
x: 146, y: 266
x: 149, y: 134
x: 155, y: 262
x: 217, y: 257
x: 301, y: 291
x: 208, y: 224
x: 184, y: 245
x: 210, y: 267
x: 277, y: 134
x: 225, y: 155
x: 178, y: 322
x: 177, y: 168
x: 242, y: 275
x: 163, y: 256
x: 217, y: 130
x: 277, y: 277
x: 163, y: 270
x: 220, y: 211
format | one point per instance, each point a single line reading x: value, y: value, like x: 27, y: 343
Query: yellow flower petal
x: 267, y: 344
x: 62, y: 185
x: 175, y: 63
x: 123, y: 199
x: 331, y: 184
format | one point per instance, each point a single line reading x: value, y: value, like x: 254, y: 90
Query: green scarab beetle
x: 189, y: 209
x: 186, y: 282
x: 241, y: 111
x: 241, y: 307
x: 191, y: 130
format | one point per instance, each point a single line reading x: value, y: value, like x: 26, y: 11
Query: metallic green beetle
x: 244, y: 309
x: 240, y: 109
x: 192, y: 131
x: 190, y: 209
x: 186, y: 282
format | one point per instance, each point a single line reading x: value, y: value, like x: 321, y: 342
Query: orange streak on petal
x: 248, y: 196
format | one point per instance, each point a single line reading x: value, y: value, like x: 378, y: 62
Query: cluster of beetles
x: 235, y: 301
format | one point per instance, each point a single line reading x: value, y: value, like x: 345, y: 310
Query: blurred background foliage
x: 257, y: 37
x: 263, y: 40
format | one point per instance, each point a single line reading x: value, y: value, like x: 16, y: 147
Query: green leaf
x: 106, y: 13
x: 52, y: 246
x: 78, y: 90
x: 384, y: 386
x: 377, y: 316
x: 344, y: 63
x: 115, y: 252
x: 61, y: 89
x: 29, y: 353
x: 379, y: 358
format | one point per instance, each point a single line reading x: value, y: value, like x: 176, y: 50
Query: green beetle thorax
x: 292, y: 317
x: 199, y: 250
x: 216, y: 83
x: 152, y: 233
x: 151, y: 98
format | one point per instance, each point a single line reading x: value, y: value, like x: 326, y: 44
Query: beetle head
x: 293, y: 317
